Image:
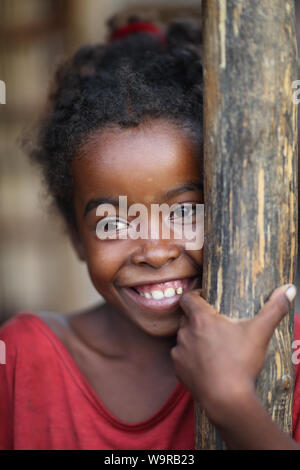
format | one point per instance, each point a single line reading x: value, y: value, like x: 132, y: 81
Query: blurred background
x: 39, y: 270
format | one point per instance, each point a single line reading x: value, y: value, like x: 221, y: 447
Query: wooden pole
x: 250, y: 167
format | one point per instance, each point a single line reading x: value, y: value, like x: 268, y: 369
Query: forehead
x: 139, y: 162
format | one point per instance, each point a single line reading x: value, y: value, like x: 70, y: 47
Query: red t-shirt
x: 47, y: 403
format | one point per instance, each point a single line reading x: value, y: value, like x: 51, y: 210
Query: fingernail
x: 291, y: 292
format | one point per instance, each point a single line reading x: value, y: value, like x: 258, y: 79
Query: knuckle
x: 202, y: 319
x: 198, y: 321
x: 200, y: 325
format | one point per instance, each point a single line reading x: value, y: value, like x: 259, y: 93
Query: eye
x: 107, y: 227
x: 183, y: 213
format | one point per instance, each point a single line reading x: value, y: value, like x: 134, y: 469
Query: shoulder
x: 18, y: 327
x: 40, y: 335
x: 24, y: 325
x: 26, y: 336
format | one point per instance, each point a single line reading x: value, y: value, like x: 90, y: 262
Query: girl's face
x: 154, y: 163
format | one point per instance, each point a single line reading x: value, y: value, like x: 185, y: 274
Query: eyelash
x: 192, y: 205
x: 116, y: 220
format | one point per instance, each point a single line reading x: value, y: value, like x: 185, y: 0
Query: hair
x: 121, y: 83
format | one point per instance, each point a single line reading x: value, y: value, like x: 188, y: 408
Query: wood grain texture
x: 250, y: 167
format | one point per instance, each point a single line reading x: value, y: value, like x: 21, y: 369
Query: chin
x: 161, y: 331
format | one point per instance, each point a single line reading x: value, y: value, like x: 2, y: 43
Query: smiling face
x: 154, y: 163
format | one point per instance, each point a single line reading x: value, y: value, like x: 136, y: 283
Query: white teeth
x: 169, y: 292
x: 157, y: 294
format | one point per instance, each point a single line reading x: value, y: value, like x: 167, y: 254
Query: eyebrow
x: 93, y: 203
x: 189, y: 186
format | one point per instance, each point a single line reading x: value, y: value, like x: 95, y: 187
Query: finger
x: 176, y: 352
x: 274, y: 310
x: 183, y: 321
x: 192, y: 303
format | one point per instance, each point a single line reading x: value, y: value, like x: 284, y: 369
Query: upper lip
x: 159, y: 281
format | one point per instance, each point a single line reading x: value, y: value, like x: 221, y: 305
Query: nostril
x: 155, y: 254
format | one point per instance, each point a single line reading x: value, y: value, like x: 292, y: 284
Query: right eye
x: 108, y: 227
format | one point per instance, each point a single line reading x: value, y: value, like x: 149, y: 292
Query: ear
x: 77, y: 243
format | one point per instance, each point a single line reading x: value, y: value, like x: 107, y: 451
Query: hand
x: 218, y: 358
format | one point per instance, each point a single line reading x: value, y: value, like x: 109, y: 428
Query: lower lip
x: 166, y: 303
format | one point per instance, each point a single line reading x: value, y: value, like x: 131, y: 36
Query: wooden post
x: 250, y: 167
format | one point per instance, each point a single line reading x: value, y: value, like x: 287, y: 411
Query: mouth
x: 160, y: 296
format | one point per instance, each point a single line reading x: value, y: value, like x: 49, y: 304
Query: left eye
x: 184, y: 211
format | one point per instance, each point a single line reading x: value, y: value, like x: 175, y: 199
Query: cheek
x: 197, y: 256
x: 104, y: 259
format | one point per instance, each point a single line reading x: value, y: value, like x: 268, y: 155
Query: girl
x: 125, y: 119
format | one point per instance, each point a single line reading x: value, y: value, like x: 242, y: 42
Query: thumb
x: 276, y: 307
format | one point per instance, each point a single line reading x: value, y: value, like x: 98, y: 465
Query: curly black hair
x: 122, y: 83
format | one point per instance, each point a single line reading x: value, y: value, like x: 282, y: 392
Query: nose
x: 155, y: 253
